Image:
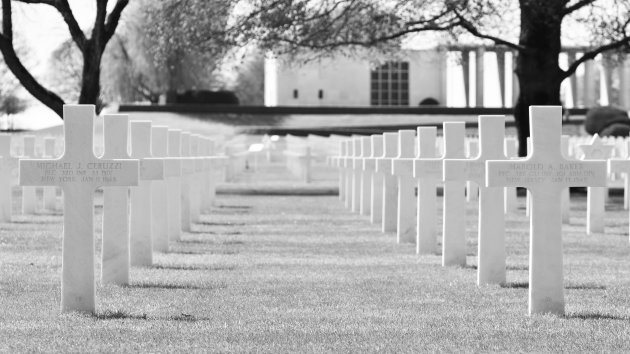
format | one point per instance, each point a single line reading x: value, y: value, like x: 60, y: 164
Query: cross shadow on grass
x: 586, y: 286
x: 525, y: 285
x: 187, y: 252
x: 207, y: 223
x: 39, y: 222
x: 213, y: 242
x: 235, y: 207
x: 199, y: 233
x: 596, y: 316
x: 122, y: 315
x: 192, y: 267
x: 119, y: 315
x: 206, y: 252
x: 516, y: 285
x: 158, y: 285
x: 517, y: 267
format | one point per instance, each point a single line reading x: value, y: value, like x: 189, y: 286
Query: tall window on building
x: 390, y: 84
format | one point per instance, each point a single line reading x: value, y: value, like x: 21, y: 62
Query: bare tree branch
x: 593, y: 53
x: 578, y: 5
x: 113, y: 18
x: 99, y: 20
x: 468, y: 26
x: 13, y: 62
x: 64, y: 9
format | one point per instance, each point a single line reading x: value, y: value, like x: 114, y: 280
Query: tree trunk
x: 537, y: 68
x: 90, y: 83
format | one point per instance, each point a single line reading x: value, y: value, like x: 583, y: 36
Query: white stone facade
x: 345, y: 81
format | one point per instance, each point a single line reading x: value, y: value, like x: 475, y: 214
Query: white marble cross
x: 376, y: 189
x: 204, y: 175
x: 596, y: 196
x: 366, y: 177
x: 151, y: 169
x: 115, y: 253
x: 472, y: 189
x: 159, y: 191
x: 357, y: 165
x: 402, y: 167
x: 6, y: 178
x: 50, y: 193
x: 195, y: 185
x: 29, y: 193
x: 347, y: 166
x: 342, y: 171
x: 566, y: 193
x: 390, y: 182
x: 188, y: 169
x: 214, y: 176
x: 79, y: 173
x: 511, y: 198
x: 173, y: 173
x: 428, y: 172
x: 545, y: 173
x: 491, y: 230
x: 620, y: 166
x: 454, y: 200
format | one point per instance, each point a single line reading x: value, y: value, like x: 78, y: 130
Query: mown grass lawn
x: 302, y: 274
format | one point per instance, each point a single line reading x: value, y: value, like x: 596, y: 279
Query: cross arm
x: 464, y: 170
x: 402, y: 167
x: 618, y: 166
x: 428, y: 169
x: 369, y: 164
x: 384, y: 165
x: 151, y: 169
x: 172, y: 166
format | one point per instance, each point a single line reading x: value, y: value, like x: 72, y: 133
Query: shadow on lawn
x: 220, y: 223
x: 40, y: 222
x: 192, y: 267
x: 517, y: 267
x: 149, y: 285
x: 187, y: 252
x: 235, y: 207
x: 214, y: 242
x: 206, y: 252
x: 199, y: 233
x: 121, y: 315
x: 525, y: 285
x: 596, y: 316
x: 196, y: 232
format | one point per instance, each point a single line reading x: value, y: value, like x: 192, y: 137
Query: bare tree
x: 91, y: 49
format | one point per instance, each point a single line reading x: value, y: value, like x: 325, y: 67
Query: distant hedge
x: 203, y: 97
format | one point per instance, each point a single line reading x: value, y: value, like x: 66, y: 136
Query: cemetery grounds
x: 300, y: 273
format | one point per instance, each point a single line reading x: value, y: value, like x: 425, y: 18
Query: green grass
x: 302, y: 274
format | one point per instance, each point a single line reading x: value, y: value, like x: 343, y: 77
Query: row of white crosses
x: 29, y: 204
x: 546, y: 172
x: 159, y: 175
